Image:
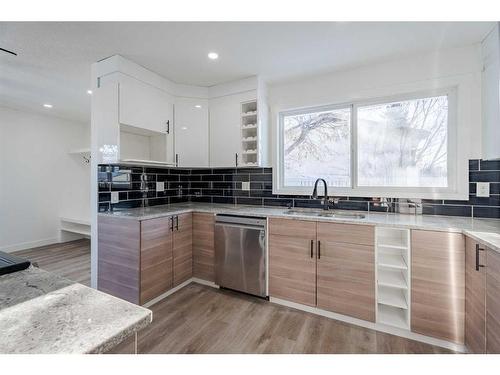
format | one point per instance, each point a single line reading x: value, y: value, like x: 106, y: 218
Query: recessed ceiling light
x: 213, y: 55
x: 47, y: 105
x: 184, y: 128
x: 197, y: 106
x: 89, y: 92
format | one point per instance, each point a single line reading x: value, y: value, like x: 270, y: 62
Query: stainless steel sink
x: 324, y: 213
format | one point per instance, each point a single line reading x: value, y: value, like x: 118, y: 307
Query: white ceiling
x: 53, y: 62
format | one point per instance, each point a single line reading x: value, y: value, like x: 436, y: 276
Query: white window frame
x: 452, y: 191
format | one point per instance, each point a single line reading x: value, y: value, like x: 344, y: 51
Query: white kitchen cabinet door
x: 145, y: 107
x: 491, y: 95
x: 225, y: 129
x: 191, y: 132
x: 225, y: 133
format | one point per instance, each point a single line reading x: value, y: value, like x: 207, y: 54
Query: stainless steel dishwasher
x: 240, y: 254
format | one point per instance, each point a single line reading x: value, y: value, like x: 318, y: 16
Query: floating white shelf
x: 392, y: 297
x: 79, y: 151
x: 248, y: 114
x: 151, y: 162
x: 392, y: 279
x: 392, y: 316
x: 395, y: 261
x: 75, y: 225
x: 247, y: 127
x: 387, y: 246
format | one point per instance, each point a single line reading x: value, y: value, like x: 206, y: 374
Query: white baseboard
x: 375, y: 326
x: 179, y: 287
x: 204, y: 282
x: 166, y: 294
x: 29, y: 245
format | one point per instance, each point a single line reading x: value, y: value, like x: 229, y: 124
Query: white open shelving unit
x: 393, y: 276
x: 76, y: 225
x: 249, y: 134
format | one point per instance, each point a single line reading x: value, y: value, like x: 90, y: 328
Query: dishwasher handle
x: 241, y: 226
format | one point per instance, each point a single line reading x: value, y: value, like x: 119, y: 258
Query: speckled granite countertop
x: 484, y: 230
x: 44, y: 313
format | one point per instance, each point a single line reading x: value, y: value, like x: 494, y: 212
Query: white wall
x: 39, y: 181
x: 458, y: 67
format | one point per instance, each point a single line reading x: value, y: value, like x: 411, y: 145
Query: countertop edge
x: 476, y: 234
x: 493, y: 244
x: 122, y: 336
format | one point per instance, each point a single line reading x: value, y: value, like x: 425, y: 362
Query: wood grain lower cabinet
x: 140, y: 260
x: 346, y: 271
x: 156, y: 258
x: 492, y: 301
x: 331, y: 266
x: 203, y: 246
x: 292, y: 260
x: 438, y: 284
x: 118, y: 262
x: 292, y: 269
x: 182, y: 248
x: 475, y: 297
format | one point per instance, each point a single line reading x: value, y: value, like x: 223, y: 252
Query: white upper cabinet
x: 226, y: 129
x: 491, y: 95
x: 144, y: 106
x: 191, y: 132
x: 146, y: 122
x: 225, y: 136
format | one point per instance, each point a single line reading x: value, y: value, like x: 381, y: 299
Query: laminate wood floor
x: 201, y: 319
x: 69, y: 259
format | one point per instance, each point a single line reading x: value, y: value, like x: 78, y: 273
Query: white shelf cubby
x: 393, y: 275
x: 250, y: 145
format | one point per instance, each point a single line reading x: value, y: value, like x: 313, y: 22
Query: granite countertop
x: 491, y: 240
x: 483, y: 229
x: 44, y: 313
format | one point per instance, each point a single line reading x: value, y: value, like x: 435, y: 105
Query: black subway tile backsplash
x: 490, y: 165
x: 137, y: 187
x: 484, y: 176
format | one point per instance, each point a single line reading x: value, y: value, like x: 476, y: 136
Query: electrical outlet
x: 114, y: 197
x: 160, y: 186
x: 245, y: 186
x: 483, y: 189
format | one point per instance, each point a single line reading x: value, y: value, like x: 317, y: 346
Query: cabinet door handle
x: 319, y: 249
x: 168, y: 126
x: 176, y: 160
x: 177, y: 223
x: 171, y: 219
x: 478, y: 249
x: 236, y: 159
x: 312, y: 246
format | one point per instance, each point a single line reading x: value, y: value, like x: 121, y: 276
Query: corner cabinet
x: 438, y: 284
x: 475, y: 297
x: 140, y: 260
x: 330, y: 266
x: 492, y: 301
x: 482, y: 299
x: 203, y: 246
x: 182, y: 248
x: 191, y: 133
